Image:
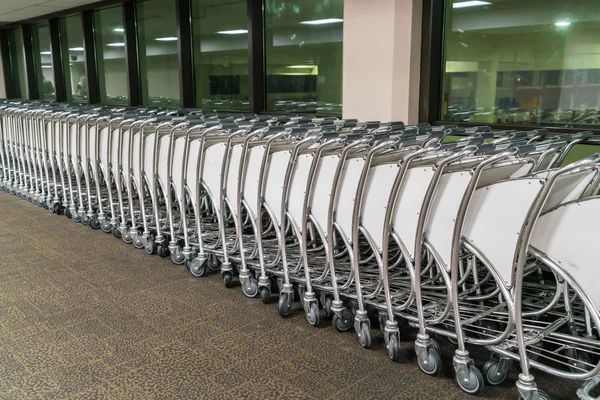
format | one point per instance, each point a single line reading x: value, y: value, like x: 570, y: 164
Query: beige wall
x: 381, y: 61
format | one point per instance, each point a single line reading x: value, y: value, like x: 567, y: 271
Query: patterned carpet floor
x: 85, y: 316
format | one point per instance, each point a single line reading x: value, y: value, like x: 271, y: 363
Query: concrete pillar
x: 382, y: 57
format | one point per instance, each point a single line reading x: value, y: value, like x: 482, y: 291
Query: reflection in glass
x: 74, y: 58
x: 304, y: 55
x: 522, y: 62
x: 42, y: 58
x: 220, y: 38
x: 159, y: 63
x: 17, y: 63
x: 110, y: 47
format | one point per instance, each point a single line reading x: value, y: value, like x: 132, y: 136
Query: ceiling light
x: 116, y: 44
x: 323, y: 21
x: 167, y: 39
x: 474, y: 3
x: 234, y: 32
x: 301, y: 66
x: 46, y: 53
x: 76, y: 49
x: 46, y: 66
x: 562, y: 24
x: 118, y: 30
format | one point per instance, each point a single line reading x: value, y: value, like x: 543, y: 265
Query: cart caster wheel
x: 116, y: 233
x: 382, y: 318
x: 68, y: 213
x: 106, y: 227
x: 163, y: 252
x: 251, y: 291
x: 150, y: 247
x: 137, y: 241
x: 227, y: 279
x: 491, y: 374
x: 85, y: 220
x: 126, y: 237
x: 53, y: 208
x: 433, y: 364
x: 313, y: 314
x: 327, y: 307
x: 285, y: 304
x: 265, y: 295
x: 344, y: 321
x: 474, y: 383
x: 94, y: 223
x: 196, y: 267
x: 541, y: 394
x: 364, y: 336
x: 435, y: 345
x: 213, y: 263
x: 393, y: 347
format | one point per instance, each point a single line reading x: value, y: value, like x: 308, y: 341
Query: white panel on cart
x: 135, y: 156
x: 346, y: 195
x: 148, y: 162
x: 211, y: 174
x: 446, y: 200
x: 253, y: 174
x: 73, y: 144
x: 193, y: 169
x: 275, y: 179
x: 322, y: 189
x: 407, y: 209
x: 495, y: 217
x: 126, y: 145
x: 162, y: 162
x: 378, y: 187
x: 177, y: 163
x: 235, y: 158
x: 93, y: 155
x: 298, y: 187
x: 568, y: 235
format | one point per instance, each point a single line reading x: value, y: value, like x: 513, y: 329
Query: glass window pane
x: 110, y: 47
x: 304, y: 55
x: 522, y: 62
x: 74, y: 58
x: 17, y: 63
x: 42, y: 59
x: 159, y: 62
x: 220, y: 37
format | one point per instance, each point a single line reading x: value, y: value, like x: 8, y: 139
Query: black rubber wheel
x: 285, y: 304
x: 490, y: 372
x: 162, y: 251
x: 394, y: 347
x: 117, y: 233
x: 251, y: 291
x: 150, y: 247
x: 326, y: 303
x: 313, y: 314
x: 265, y: 295
x: 433, y: 365
x: 213, y: 263
x: 227, y: 279
x: 475, y: 382
x: 364, y: 336
x: 196, y: 267
x: 344, y: 320
x: 68, y: 213
x: 94, y: 223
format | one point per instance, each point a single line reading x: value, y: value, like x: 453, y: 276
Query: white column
x: 382, y: 57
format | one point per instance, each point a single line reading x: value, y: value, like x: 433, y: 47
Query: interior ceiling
x: 17, y: 10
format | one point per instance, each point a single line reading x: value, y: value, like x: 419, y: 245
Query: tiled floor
x: 85, y: 316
